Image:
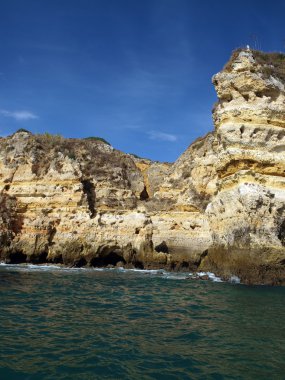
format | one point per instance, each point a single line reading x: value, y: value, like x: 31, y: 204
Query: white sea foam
x: 234, y: 280
x: 142, y: 271
x: 152, y: 272
x: 210, y: 275
x: 32, y: 267
x: 213, y: 277
x: 42, y: 266
x: 177, y: 276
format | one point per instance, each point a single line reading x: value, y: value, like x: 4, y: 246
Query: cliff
x: 219, y: 207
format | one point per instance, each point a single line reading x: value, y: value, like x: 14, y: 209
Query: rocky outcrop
x: 247, y: 213
x: 219, y: 207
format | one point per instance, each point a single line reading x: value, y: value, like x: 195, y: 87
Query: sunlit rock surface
x: 219, y: 207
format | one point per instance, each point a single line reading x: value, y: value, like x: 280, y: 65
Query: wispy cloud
x: 161, y: 136
x: 19, y: 115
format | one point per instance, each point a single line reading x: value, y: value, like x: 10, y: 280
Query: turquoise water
x: 114, y: 324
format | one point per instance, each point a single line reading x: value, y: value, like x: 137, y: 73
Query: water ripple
x: 62, y: 324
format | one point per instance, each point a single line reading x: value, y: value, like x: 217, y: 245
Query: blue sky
x: 136, y: 72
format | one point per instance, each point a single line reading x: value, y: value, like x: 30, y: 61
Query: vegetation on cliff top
x: 94, y: 156
x: 22, y: 130
x: 95, y: 138
x: 57, y: 137
x: 272, y: 63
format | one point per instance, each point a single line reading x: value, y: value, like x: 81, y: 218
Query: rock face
x: 219, y: 207
x: 247, y: 213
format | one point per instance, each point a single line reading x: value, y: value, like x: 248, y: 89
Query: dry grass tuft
x: 272, y: 63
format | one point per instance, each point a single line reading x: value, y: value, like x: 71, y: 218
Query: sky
x: 135, y: 72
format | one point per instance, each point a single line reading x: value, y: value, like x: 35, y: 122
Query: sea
x: 63, y: 323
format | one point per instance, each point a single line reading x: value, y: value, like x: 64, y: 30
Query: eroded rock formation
x: 219, y: 207
x: 247, y: 213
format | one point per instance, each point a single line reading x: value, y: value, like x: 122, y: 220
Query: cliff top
x: 272, y: 63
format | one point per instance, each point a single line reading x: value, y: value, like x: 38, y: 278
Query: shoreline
x: 161, y: 272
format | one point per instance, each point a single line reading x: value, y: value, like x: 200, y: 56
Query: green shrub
x: 135, y: 155
x: 23, y: 130
x: 71, y: 155
x: 95, y: 138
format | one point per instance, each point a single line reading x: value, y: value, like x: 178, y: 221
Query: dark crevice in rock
x: 81, y: 262
x: 280, y: 135
x: 89, y: 191
x: 202, y: 257
x: 17, y: 257
x: 162, y: 247
x: 112, y: 258
x: 51, y: 234
x: 144, y: 195
x: 255, y: 131
x: 271, y: 93
x: 269, y: 136
x: 184, y: 265
x: 138, y: 265
x: 38, y: 258
x: 58, y: 259
x: 281, y: 233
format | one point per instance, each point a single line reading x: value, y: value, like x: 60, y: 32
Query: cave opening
x: 58, y: 259
x: 112, y: 258
x: 184, y: 265
x: 144, y: 194
x: 17, y: 257
x: 138, y: 265
x: 39, y: 258
x: 162, y: 247
x: 81, y: 262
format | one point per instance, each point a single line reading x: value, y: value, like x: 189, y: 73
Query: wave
x: 234, y: 280
x: 152, y: 272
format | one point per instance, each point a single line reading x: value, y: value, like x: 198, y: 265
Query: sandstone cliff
x: 247, y: 213
x: 219, y: 207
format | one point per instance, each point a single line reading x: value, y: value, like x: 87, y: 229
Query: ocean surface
x: 58, y: 323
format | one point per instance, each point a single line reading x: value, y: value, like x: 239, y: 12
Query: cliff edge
x: 219, y: 207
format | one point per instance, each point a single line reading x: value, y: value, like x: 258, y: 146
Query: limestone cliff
x: 219, y: 207
x: 247, y: 213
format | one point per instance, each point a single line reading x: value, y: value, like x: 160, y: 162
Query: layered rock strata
x: 247, y: 213
x: 219, y: 207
